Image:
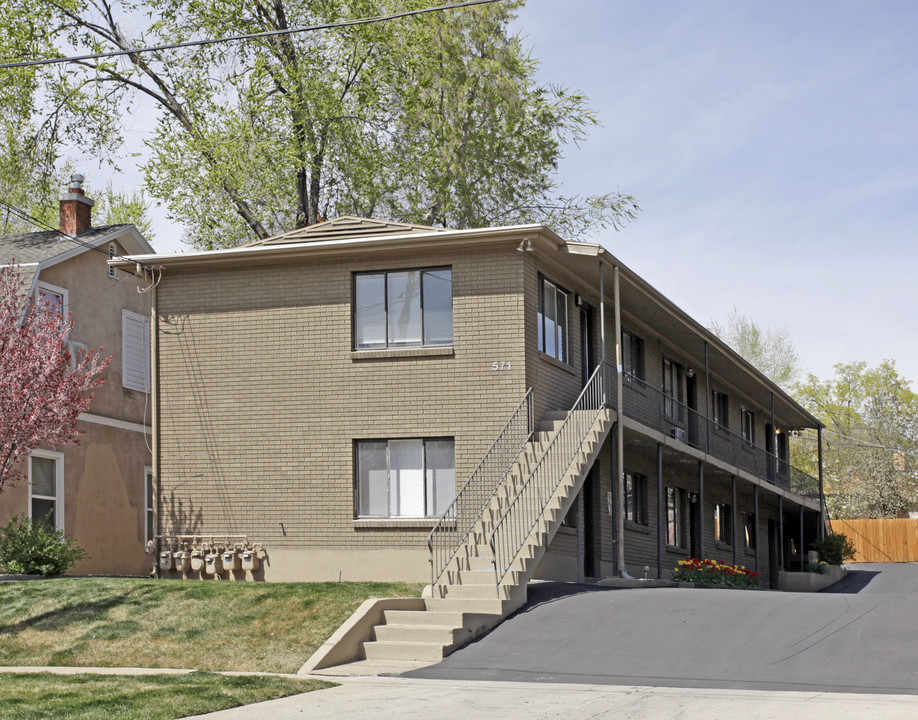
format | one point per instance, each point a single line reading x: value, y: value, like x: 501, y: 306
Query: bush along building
x: 99, y: 492
x: 363, y: 400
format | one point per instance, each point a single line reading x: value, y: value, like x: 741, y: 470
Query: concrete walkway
x: 398, y: 698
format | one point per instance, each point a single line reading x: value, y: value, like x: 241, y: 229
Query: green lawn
x: 157, y: 697
x: 118, y: 622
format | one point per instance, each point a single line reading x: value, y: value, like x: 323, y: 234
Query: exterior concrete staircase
x: 485, y: 577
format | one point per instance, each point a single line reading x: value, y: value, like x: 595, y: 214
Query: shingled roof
x: 346, y: 227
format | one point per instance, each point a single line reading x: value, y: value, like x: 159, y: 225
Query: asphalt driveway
x: 861, y: 635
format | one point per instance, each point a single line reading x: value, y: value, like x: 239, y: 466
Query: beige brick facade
x: 262, y: 399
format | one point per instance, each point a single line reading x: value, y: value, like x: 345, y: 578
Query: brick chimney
x: 76, y: 208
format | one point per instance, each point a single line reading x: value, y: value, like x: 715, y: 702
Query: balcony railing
x: 651, y: 407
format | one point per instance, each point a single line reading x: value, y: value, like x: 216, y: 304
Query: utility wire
x: 250, y: 36
x: 22, y: 214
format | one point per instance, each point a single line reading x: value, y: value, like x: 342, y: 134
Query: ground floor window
x: 749, y: 527
x: 675, y: 510
x: 723, y: 531
x: 412, y: 478
x: 636, y: 498
x: 46, y: 487
x: 150, y: 512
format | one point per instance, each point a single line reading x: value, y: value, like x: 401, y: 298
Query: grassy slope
x: 117, y: 622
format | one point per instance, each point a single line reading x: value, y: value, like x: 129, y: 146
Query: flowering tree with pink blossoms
x: 42, y: 388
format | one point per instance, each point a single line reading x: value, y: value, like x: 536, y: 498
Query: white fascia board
x: 444, y: 237
x: 115, y: 423
x: 87, y: 245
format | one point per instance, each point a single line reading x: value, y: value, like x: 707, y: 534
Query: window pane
x: 404, y: 308
x: 550, y: 312
x: 149, y: 484
x: 438, y: 307
x: 629, y: 497
x: 44, y: 476
x: 53, y: 300
x: 441, y: 475
x: 44, y: 510
x: 370, y: 313
x: 406, y: 478
x: 562, y: 326
x: 372, y: 479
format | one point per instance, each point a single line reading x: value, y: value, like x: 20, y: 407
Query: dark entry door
x: 694, y: 526
x: 774, y: 554
x: 591, y: 515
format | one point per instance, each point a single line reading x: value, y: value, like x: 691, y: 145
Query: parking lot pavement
x: 857, y: 641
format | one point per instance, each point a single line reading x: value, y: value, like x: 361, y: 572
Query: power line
x: 250, y: 36
x: 23, y: 215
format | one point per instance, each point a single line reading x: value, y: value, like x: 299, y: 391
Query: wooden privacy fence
x: 881, y: 540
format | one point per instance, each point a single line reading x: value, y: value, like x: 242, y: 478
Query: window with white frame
x: 135, y: 351
x: 149, y: 504
x: 636, y: 498
x: 720, y: 406
x: 53, y: 297
x: 723, y: 529
x: 748, y: 426
x: 675, y: 509
x: 403, y: 308
x: 553, y: 324
x: 46, y: 488
x: 112, y: 252
x: 411, y: 478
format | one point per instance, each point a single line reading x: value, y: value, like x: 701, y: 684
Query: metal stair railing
x: 517, y: 522
x: 456, y: 524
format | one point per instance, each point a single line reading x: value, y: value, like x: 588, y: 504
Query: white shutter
x: 135, y: 351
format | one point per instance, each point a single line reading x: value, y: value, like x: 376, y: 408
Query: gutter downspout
x: 619, y: 437
x: 822, y: 495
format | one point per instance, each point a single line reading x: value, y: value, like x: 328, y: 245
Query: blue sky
x: 773, y: 148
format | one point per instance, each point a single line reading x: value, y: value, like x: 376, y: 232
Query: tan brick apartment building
x: 320, y: 396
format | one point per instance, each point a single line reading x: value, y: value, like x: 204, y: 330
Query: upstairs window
x: 721, y: 408
x: 112, y: 252
x: 632, y: 355
x: 672, y: 389
x: 553, y: 324
x: 748, y: 420
x: 403, y: 308
x: 53, y: 297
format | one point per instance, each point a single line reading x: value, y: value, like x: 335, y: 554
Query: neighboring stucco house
x: 324, y: 393
x: 96, y: 492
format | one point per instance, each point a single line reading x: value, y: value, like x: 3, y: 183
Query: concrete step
x: 435, y: 634
x: 490, y: 591
x: 423, y: 617
x: 479, y: 606
x: 382, y: 650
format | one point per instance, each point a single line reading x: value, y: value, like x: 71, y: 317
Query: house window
x: 553, y: 320
x: 403, y: 308
x: 672, y: 389
x: 748, y: 420
x: 405, y: 478
x: 749, y: 528
x: 46, y: 488
x: 150, y: 515
x: 723, y: 531
x: 632, y: 355
x: 54, y: 298
x: 721, y: 407
x: 135, y: 351
x: 636, y: 498
x: 675, y: 508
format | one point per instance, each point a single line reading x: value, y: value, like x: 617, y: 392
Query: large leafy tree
x: 871, y: 438
x: 42, y: 388
x: 770, y: 349
x: 434, y: 118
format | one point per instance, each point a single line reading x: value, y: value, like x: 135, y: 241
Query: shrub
x: 835, y: 549
x: 35, y: 548
x: 712, y: 572
x: 818, y: 567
